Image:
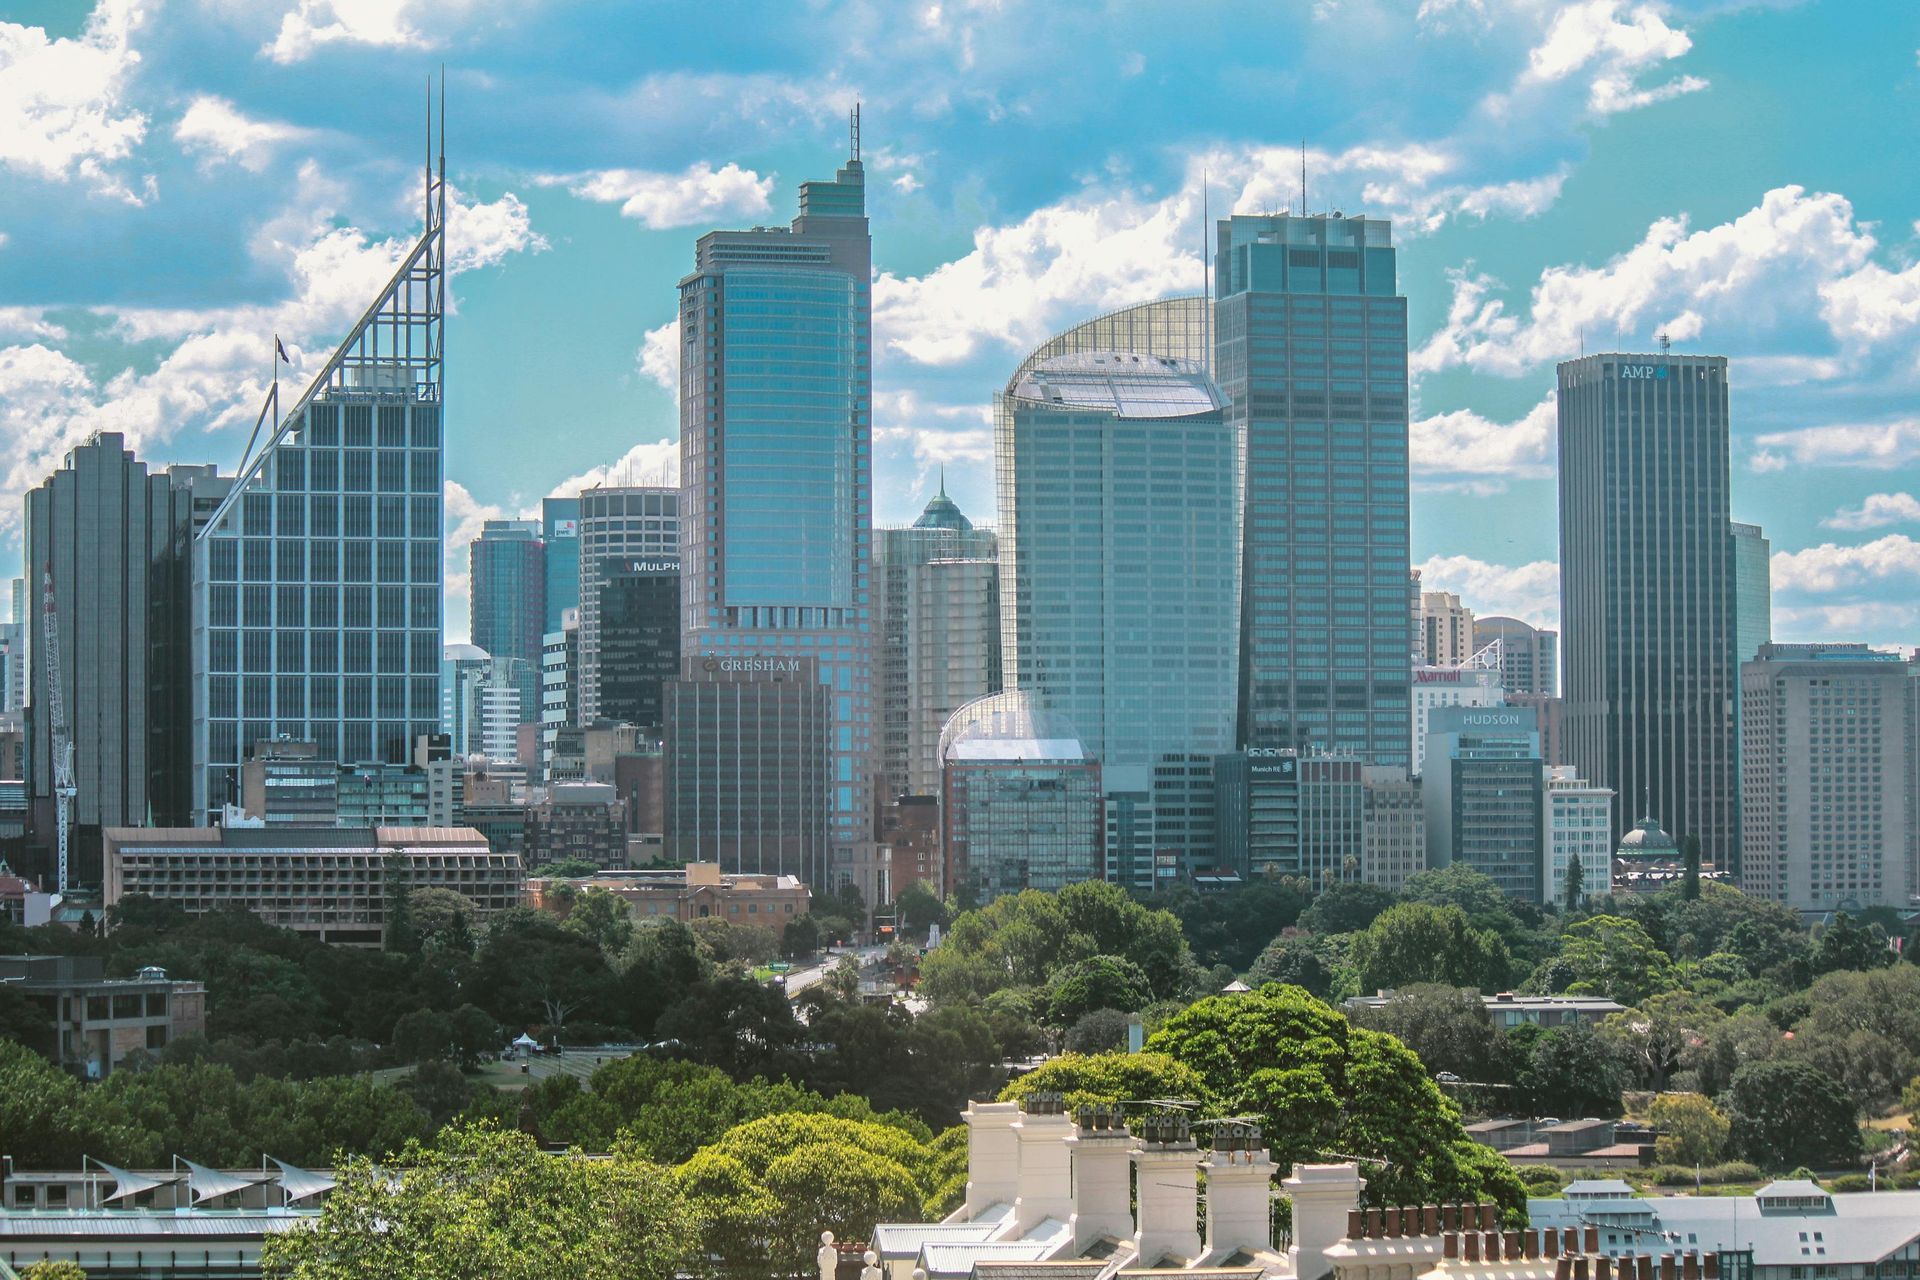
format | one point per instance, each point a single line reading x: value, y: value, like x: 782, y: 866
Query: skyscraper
x: 1116, y: 479
x: 776, y: 458
x: 1646, y: 589
x: 1752, y: 590
x: 1830, y: 776
x: 114, y: 539
x: 1311, y: 346
x: 1484, y: 792
x: 560, y: 530
x: 508, y: 591
x: 1529, y: 655
x: 937, y: 599
x: 639, y: 638
x: 617, y: 526
x: 317, y: 580
x: 1446, y: 629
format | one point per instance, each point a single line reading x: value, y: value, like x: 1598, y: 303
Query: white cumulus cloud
x: 1530, y: 592
x: 654, y: 462
x: 1463, y: 442
x: 390, y: 24
x: 1883, y: 446
x: 63, y: 107
x: 659, y: 357
x: 1875, y: 511
x: 1833, y: 568
x: 216, y: 130
x: 1610, y: 44
x: 660, y: 201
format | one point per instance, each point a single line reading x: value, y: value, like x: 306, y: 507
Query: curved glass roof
x: 1125, y: 384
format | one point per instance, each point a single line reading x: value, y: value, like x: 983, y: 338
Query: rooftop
x: 1125, y: 384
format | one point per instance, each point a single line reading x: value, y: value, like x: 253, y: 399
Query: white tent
x: 207, y: 1183
x: 127, y: 1183
x: 298, y: 1183
x: 525, y: 1041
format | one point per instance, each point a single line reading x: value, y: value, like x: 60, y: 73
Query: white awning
x: 127, y: 1183
x: 300, y: 1183
x: 207, y: 1183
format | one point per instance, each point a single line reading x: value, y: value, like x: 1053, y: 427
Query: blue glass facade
x: 508, y: 589
x: 1311, y: 351
x: 560, y: 530
x: 776, y: 468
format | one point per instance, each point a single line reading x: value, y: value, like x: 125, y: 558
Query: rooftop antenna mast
x: 1666, y: 343
x: 853, y: 128
x: 1206, y: 274
x: 1303, y: 177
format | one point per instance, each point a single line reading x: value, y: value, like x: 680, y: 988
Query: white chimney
x: 1166, y: 1191
x: 993, y: 1160
x: 1102, y: 1177
x: 1045, y: 1165
x: 1239, y: 1191
x: 1322, y: 1195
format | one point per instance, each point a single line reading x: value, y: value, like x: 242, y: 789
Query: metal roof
x: 128, y: 1224
x: 1125, y: 384
x: 1854, y: 1229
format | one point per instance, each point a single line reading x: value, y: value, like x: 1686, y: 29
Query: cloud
x: 1830, y: 568
x: 389, y: 24
x: 215, y: 129
x: 465, y: 516
x: 1884, y: 624
x: 934, y: 434
x: 1772, y: 264
x: 655, y: 463
x: 1418, y: 185
x: 1883, y: 446
x: 1462, y: 441
x: 659, y: 356
x: 1877, y: 510
x: 1530, y: 592
x: 63, y: 109
x: 482, y: 234
x: 660, y: 201
x: 906, y: 184
x: 1610, y: 45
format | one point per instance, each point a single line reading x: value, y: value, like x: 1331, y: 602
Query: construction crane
x: 64, y: 789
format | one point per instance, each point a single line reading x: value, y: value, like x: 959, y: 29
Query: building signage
x: 565, y: 529
x: 1492, y: 720
x: 1633, y: 372
x: 752, y: 666
x: 641, y: 566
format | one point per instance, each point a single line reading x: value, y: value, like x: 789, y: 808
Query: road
x: 798, y: 980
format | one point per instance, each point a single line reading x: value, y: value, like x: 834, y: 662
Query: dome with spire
x: 942, y: 513
x: 1648, y: 840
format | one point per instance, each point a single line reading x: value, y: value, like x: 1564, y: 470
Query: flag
x: 280, y: 350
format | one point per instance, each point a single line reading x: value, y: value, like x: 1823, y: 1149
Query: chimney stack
x: 993, y: 1159
x: 1043, y: 1166
x: 1239, y: 1190
x: 1167, y: 1190
x: 1102, y: 1184
x: 1322, y: 1194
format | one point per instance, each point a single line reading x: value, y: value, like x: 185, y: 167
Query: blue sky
x: 179, y: 179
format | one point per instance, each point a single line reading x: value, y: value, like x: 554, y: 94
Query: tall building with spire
x: 776, y: 454
x: 316, y: 581
x: 1311, y: 350
x: 937, y: 639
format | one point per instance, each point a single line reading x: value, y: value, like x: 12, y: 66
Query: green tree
x: 46, y: 1270
x: 1606, y: 955
x: 1233, y: 928
x: 1102, y: 1031
x: 767, y: 1188
x: 1306, y: 962
x: 602, y: 917
x: 1690, y: 856
x: 1692, y: 1130
x: 1848, y: 945
x: 1098, y: 982
x: 1568, y: 1072
x: 1863, y: 1029
x: 1785, y: 1114
x: 425, y: 1035
x: 1653, y: 1038
x: 1576, y: 885
x: 1448, y: 1027
x: 50, y: 1121
x: 1346, y: 907
x: 1021, y: 939
x: 1110, y: 1078
x: 740, y: 1026
x: 438, y: 910
x: 1415, y: 942
x: 1320, y: 1085
x: 479, y: 1202
x: 920, y: 907
x: 800, y: 938
x: 23, y: 1021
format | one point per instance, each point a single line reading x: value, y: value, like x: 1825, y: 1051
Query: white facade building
x: 1449, y: 686
x: 1579, y: 825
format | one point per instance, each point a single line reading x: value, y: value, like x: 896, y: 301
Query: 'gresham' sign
x: 752, y: 666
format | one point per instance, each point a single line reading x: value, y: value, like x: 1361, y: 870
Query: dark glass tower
x: 508, y: 567
x: 1311, y: 351
x: 776, y: 469
x: 1647, y: 590
x: 639, y: 638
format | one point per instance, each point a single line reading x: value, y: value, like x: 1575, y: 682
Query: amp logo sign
x: 1633, y: 372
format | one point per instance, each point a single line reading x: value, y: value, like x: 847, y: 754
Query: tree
x: 602, y: 917
x: 1102, y: 1031
x: 1654, y: 1037
x: 1576, y: 884
x: 743, y: 1027
x: 1320, y: 1085
x: 1845, y: 944
x: 479, y: 1202
x: 1306, y: 962
x: 920, y: 907
x: 842, y: 979
x: 1861, y: 1028
x: 1606, y: 955
x: 435, y: 910
x: 1568, y: 1072
x: 1098, y: 982
x: 1448, y: 1027
x: 1346, y: 907
x: 764, y: 1191
x: 1785, y: 1114
x: 1415, y: 942
x: 424, y: 1035
x: 46, y: 1270
x: 1690, y: 856
x: 1693, y: 1130
x: 800, y: 938
x: 1109, y: 1078
x: 472, y: 1036
x: 1021, y: 939
x: 1233, y: 928
x: 23, y: 1021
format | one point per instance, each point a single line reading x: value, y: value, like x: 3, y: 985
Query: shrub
x: 1541, y: 1179
x: 1732, y: 1171
x: 1674, y: 1175
x: 1850, y: 1182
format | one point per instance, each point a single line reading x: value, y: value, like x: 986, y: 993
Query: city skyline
x: 1789, y: 255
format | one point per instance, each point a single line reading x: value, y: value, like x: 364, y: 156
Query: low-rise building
x: 577, y: 822
x: 696, y: 891
x: 1508, y: 1010
x: 1579, y: 829
x: 330, y: 882
x: 92, y: 1021
x: 1393, y: 827
x: 1022, y: 802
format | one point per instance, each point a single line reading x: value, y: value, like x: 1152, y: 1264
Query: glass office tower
x: 507, y: 591
x: 317, y: 580
x: 776, y: 467
x: 1647, y: 590
x: 1311, y: 351
x: 560, y: 530
x: 616, y: 525
x: 1116, y: 474
x: 1752, y: 591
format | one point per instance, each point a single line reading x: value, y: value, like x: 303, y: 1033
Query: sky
x: 182, y: 179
